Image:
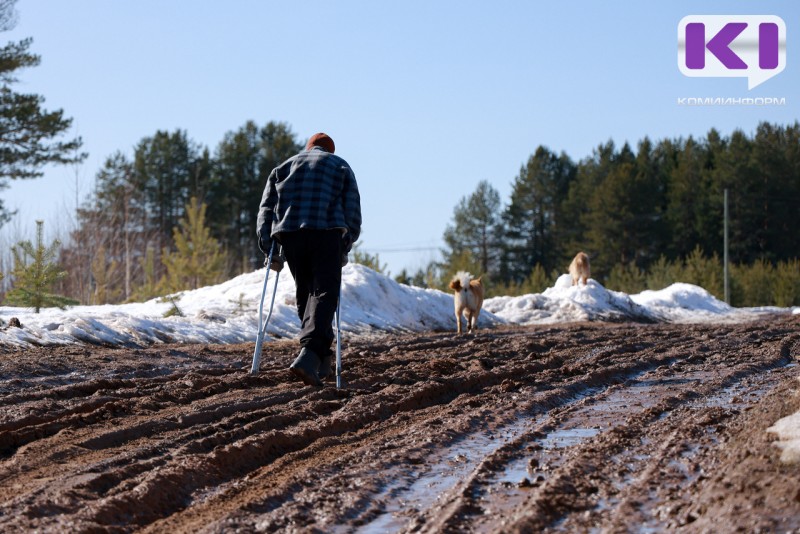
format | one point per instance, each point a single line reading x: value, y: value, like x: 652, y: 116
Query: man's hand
x: 264, y: 244
x: 278, y: 261
x: 347, y: 242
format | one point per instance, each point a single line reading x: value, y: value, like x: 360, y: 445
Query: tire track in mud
x: 585, y: 459
x: 535, y: 447
x: 429, y: 435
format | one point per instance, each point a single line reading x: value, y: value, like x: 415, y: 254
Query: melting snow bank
x: 788, y: 431
x: 567, y: 303
x: 687, y: 303
x: 371, y: 304
x: 228, y: 313
x: 678, y: 303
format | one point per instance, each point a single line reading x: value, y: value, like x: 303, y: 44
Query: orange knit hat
x: 321, y: 140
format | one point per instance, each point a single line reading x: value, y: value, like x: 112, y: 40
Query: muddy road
x: 575, y: 428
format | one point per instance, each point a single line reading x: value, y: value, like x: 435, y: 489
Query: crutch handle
x: 277, y: 262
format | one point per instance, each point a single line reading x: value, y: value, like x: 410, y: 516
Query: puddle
x: 746, y: 391
x: 504, y: 493
x: 567, y: 438
x: 416, y: 491
x: 419, y: 491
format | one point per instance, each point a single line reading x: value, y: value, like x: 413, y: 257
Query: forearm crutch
x: 339, y: 339
x: 262, y: 330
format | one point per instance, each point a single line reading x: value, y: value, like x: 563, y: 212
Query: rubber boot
x: 325, y: 367
x: 305, y: 367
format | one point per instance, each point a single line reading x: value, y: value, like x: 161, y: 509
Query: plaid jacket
x: 314, y: 190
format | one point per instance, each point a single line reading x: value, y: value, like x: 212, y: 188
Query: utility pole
x: 725, y: 250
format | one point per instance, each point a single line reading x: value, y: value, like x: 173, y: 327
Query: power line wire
x: 402, y: 249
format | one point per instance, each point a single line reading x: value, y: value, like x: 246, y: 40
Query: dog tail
x: 460, y: 280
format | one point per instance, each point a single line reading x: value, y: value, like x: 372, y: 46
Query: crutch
x: 339, y: 339
x: 262, y: 328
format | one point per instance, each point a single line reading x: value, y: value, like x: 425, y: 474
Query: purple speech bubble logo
x: 751, y: 46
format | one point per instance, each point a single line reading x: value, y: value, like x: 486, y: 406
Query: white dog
x: 468, y: 299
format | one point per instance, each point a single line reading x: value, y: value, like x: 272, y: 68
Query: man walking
x: 312, y: 208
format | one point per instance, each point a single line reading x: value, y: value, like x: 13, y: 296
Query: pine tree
x: 534, y: 222
x: 149, y: 287
x: 626, y: 277
x: 198, y: 260
x: 537, y: 281
x: 624, y: 222
x: 35, y: 273
x: 243, y: 161
x: 164, y: 168
x: 103, y: 272
x: 578, y: 206
x: 610, y: 221
x: 786, y: 288
x: 28, y: 133
x: 475, y: 228
x: 663, y: 273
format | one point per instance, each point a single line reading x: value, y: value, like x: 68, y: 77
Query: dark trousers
x: 315, y: 261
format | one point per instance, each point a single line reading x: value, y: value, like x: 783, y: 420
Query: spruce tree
x: 198, y: 260
x: 589, y: 176
x: 534, y: 221
x: 35, y: 273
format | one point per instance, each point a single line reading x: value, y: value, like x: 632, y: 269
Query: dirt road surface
x: 577, y: 428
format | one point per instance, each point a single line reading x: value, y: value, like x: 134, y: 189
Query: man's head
x: 321, y: 140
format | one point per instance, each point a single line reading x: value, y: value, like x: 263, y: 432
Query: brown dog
x: 468, y: 299
x: 579, y: 268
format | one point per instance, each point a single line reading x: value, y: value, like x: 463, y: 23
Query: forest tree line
x: 173, y: 215
x: 132, y: 228
x: 647, y: 217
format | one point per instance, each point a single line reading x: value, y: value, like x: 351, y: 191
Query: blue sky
x: 423, y: 99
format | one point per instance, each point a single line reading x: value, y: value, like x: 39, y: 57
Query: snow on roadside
x: 372, y: 303
x: 687, y: 303
x: 567, y: 303
x: 228, y: 313
x: 788, y: 431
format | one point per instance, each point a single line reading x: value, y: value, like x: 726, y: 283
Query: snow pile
x: 565, y: 303
x: 687, y: 303
x: 788, y: 431
x: 372, y: 303
x: 228, y: 313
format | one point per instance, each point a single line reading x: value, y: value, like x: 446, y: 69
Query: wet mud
x: 587, y: 427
